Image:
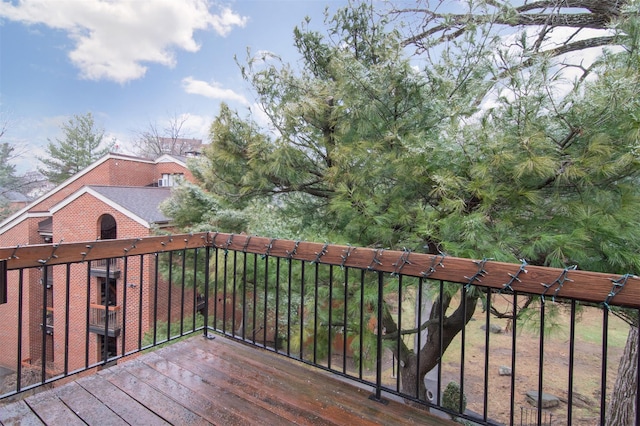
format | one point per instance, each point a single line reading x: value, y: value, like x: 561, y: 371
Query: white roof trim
x: 21, y: 219
x: 107, y: 201
x: 168, y: 158
x: 23, y: 213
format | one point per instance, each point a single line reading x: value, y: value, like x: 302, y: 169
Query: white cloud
x: 211, y: 90
x: 198, y: 126
x: 115, y: 39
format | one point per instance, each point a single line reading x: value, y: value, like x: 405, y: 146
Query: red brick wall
x: 79, y: 221
x: 87, y: 210
x: 24, y: 233
x: 130, y: 173
x: 172, y: 168
x: 116, y: 172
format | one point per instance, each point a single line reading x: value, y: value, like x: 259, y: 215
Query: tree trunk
x: 411, y: 374
x: 622, y: 407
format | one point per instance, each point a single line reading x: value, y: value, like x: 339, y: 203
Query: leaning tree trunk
x: 411, y: 374
x: 622, y: 407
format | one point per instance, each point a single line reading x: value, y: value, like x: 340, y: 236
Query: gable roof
x: 13, y: 196
x: 138, y: 203
x: 24, y: 213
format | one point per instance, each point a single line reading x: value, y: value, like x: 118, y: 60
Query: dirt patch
x: 532, y: 352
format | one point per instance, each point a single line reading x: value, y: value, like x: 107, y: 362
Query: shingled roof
x: 144, y: 202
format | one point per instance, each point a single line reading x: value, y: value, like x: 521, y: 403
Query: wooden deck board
x: 258, y: 389
x: 232, y: 401
x: 201, y: 381
x: 52, y: 410
x: 129, y: 410
x: 18, y: 413
x: 86, y: 406
x: 164, y: 406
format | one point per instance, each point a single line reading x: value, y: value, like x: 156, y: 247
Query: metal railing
x: 427, y: 328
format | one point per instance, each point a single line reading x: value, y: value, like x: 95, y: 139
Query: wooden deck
x: 199, y: 382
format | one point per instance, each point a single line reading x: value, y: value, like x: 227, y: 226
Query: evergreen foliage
x: 483, y: 151
x: 8, y: 179
x: 80, y: 147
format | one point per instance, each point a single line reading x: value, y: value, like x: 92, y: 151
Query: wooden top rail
x: 615, y: 290
x: 115, y: 308
x: 55, y: 254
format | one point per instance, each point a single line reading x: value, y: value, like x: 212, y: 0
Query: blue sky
x: 132, y: 63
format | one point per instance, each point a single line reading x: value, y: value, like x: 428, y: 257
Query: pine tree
x: 487, y: 151
x: 79, y: 148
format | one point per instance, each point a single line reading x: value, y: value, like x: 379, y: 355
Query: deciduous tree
x: 157, y: 140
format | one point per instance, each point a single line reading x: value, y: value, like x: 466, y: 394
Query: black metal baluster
x: 302, y: 289
x: 215, y: 292
x: 315, y: 314
x: 105, y: 338
x: 330, y: 323
x: 513, y: 358
x: 66, y: 317
x: 140, y: 285
x: 255, y: 298
x: 419, y: 338
x: 44, y: 324
x: 275, y: 333
x: 224, y: 291
x: 440, y: 343
x: 155, y: 300
x: 379, y: 326
x: 88, y: 301
x: 463, y: 344
x: 233, y: 294
x: 182, y: 290
x: 169, y: 294
x: 345, y: 349
x: 20, y: 314
x: 603, y: 380
x: 289, y: 278
x: 361, y: 337
x: 125, y: 265
x: 206, y: 291
x: 572, y: 347
x: 244, y: 296
x: 487, y: 333
x: 266, y: 300
x: 196, y: 301
x: 541, y: 361
x: 399, y: 337
x: 637, y: 375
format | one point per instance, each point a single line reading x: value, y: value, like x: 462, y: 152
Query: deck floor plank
x: 222, y: 396
x: 220, y: 410
x: 221, y: 381
x: 130, y: 410
x: 86, y: 406
x: 330, y: 393
x: 18, y: 414
x: 254, y: 389
x: 51, y: 410
x: 165, y: 407
x: 327, y: 400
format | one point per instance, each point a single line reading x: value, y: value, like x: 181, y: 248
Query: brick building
x: 116, y: 197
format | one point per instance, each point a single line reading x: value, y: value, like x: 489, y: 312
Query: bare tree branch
x: 171, y: 138
x: 436, y: 28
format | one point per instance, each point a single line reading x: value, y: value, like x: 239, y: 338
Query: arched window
x: 108, y: 228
